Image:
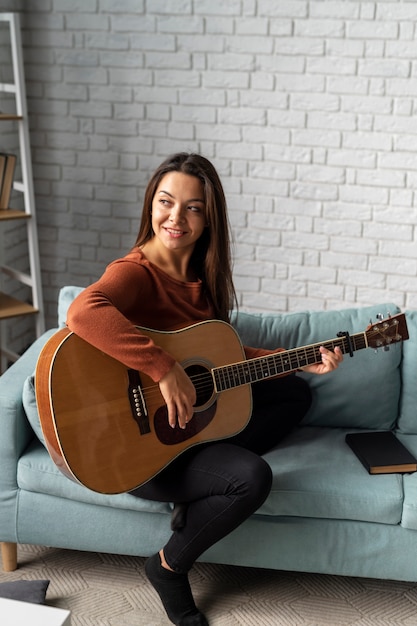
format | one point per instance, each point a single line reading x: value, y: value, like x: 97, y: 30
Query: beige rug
x: 111, y: 590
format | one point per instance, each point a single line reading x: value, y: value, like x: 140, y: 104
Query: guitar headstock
x: 388, y: 331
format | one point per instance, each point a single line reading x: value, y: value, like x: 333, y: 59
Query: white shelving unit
x: 11, y: 307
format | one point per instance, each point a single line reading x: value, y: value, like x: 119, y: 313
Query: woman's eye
x: 196, y: 209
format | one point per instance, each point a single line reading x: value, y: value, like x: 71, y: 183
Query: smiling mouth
x: 175, y: 233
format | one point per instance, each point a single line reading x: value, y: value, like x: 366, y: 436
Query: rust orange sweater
x: 133, y: 292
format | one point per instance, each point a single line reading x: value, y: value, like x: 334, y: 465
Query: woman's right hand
x: 179, y: 394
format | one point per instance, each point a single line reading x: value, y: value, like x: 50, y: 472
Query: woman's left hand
x: 329, y: 361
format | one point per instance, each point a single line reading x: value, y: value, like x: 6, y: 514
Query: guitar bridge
x: 137, y: 402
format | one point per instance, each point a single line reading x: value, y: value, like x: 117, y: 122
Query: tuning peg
x: 380, y: 316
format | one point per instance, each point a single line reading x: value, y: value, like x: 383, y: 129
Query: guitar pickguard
x: 170, y: 436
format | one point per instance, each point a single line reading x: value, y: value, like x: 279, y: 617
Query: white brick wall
x: 306, y: 107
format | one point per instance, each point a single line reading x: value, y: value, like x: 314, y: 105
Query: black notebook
x: 381, y: 452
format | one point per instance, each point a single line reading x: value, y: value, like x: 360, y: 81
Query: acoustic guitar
x: 106, y: 426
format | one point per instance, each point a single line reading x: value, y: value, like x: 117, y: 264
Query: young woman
x: 179, y: 273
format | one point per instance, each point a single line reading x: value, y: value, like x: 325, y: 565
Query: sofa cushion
x: 407, y: 420
x: 317, y: 475
x: 363, y: 392
x: 36, y: 472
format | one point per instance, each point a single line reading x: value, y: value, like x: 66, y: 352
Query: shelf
x: 8, y: 87
x: 11, y: 307
x: 16, y: 122
x: 10, y: 117
x: 13, y: 214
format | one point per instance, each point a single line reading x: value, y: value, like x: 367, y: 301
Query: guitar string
x: 204, y: 381
x: 249, y: 368
x: 309, y: 351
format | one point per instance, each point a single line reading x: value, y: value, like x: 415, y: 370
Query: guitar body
x: 106, y: 426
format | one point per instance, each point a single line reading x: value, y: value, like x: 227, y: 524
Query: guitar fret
x: 239, y: 379
x: 247, y: 373
x: 264, y: 370
x: 359, y: 342
x: 234, y: 371
x: 221, y: 382
x: 285, y: 362
x: 303, y: 359
x: 294, y: 360
x: 227, y: 376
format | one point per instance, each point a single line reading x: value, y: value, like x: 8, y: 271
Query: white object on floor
x: 16, y: 613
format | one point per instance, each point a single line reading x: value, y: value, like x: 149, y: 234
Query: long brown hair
x: 211, y: 258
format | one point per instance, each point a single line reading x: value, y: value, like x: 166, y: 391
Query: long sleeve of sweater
x: 133, y: 293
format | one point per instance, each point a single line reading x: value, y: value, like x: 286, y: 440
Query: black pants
x: 223, y: 483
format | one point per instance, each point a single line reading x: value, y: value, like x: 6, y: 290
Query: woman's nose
x: 177, y: 214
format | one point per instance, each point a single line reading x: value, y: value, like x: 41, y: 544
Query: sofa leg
x: 9, y: 556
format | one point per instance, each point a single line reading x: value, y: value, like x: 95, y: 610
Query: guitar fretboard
x: 261, y: 368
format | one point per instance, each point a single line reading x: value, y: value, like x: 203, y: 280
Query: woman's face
x: 178, y: 211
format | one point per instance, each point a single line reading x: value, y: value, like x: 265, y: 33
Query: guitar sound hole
x: 203, y: 383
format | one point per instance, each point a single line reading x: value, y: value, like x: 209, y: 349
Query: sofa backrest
x: 364, y: 392
x: 407, y: 420
x: 66, y: 295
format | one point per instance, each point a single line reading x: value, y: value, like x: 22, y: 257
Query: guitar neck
x: 284, y: 362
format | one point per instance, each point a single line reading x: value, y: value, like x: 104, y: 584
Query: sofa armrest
x: 15, y: 432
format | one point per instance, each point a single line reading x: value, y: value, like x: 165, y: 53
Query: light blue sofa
x: 325, y: 513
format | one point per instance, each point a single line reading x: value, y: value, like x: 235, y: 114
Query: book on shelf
x: 9, y: 164
x: 381, y: 452
x: 3, y: 159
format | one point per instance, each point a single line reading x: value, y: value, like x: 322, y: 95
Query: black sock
x: 175, y: 593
